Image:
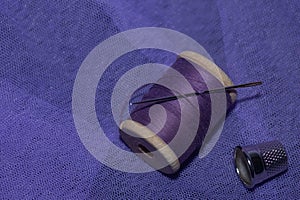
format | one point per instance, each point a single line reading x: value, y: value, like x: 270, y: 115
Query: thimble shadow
x: 267, y: 180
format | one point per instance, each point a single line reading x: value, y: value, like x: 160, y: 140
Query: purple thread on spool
x: 140, y: 113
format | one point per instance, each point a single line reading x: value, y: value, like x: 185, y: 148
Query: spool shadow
x: 238, y: 101
x: 257, y: 95
x: 184, y: 165
x: 195, y: 154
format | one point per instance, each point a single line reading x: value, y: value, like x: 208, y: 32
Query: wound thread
x: 135, y: 131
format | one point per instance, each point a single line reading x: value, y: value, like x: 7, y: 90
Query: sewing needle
x: 170, y: 98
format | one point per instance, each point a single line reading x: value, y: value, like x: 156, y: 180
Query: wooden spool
x: 144, y: 141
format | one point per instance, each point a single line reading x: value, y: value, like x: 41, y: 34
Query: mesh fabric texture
x: 43, y: 43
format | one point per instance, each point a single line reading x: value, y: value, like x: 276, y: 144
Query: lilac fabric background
x: 42, y: 44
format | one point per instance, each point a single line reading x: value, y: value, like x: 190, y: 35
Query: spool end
x: 150, y: 147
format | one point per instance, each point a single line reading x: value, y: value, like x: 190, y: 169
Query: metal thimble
x: 257, y: 163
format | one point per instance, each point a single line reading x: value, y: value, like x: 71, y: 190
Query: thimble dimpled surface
x: 257, y: 163
x: 274, y: 157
